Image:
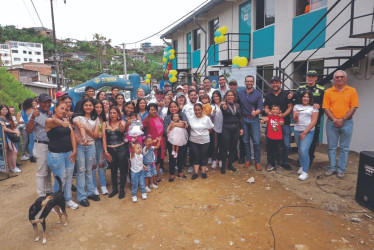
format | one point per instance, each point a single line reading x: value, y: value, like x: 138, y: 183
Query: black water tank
x: 365, y: 180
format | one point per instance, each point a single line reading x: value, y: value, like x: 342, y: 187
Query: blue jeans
x: 100, y: 160
x: 61, y: 165
x: 251, y: 129
x: 303, y: 148
x: 137, y: 179
x: 286, y: 130
x: 85, y: 160
x: 342, y: 137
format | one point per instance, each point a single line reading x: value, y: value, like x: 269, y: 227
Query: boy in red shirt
x: 274, y: 138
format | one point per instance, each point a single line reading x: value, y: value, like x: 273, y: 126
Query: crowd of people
x: 197, y: 126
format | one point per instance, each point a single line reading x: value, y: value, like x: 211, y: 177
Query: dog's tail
x: 59, y: 183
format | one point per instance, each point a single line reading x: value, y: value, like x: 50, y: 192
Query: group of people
x: 211, y: 126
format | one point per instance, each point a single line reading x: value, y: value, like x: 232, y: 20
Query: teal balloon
x: 217, y: 33
x: 166, y: 49
x: 170, y: 75
x: 235, y: 66
x: 146, y: 77
x: 169, y: 48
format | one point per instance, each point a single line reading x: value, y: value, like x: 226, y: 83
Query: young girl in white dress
x: 176, y: 136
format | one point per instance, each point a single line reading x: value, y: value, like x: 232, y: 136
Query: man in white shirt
x: 208, y: 87
x: 222, y: 85
x: 188, y: 108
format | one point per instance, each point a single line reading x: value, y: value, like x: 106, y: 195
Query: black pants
x: 120, y: 160
x: 216, y: 145
x: 313, y: 146
x: 179, y: 161
x: 229, y: 139
x: 199, y: 153
x: 273, y: 148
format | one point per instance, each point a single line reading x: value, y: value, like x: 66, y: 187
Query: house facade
x: 21, y: 52
x: 285, y: 38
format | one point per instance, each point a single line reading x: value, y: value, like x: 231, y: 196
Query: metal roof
x: 208, y: 6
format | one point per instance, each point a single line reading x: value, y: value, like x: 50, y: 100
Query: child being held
x: 176, y: 136
x: 149, y: 160
x: 137, y: 171
x: 207, y: 109
x: 274, y: 138
x: 135, y: 130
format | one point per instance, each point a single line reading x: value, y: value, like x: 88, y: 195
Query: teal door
x: 175, y: 60
x: 189, y: 48
x: 245, y: 17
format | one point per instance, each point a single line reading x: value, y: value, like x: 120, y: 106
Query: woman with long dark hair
x: 217, y: 119
x: 120, y: 100
x: 115, y: 150
x: 86, y: 132
x: 141, y: 109
x: 101, y: 95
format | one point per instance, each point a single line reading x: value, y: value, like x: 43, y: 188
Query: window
x: 196, y: 39
x: 303, y: 6
x: 25, y: 59
x: 265, y: 13
x: 30, y: 59
x: 4, y: 46
x: 24, y: 52
x: 38, y: 60
x: 17, y: 59
x: 213, y: 26
x: 38, y: 53
x: 14, y: 51
x: 30, y: 53
x: 175, y: 46
x: 38, y: 45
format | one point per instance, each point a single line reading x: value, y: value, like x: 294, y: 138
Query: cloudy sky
x: 121, y: 20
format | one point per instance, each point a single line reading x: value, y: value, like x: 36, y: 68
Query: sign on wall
x: 238, y: 74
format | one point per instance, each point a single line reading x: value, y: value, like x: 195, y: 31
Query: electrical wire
x: 169, y: 24
x: 28, y: 12
x: 327, y: 192
x: 37, y: 13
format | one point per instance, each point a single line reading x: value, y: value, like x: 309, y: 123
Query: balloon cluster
x: 238, y: 61
x: 147, y: 78
x: 173, y: 75
x: 169, y: 54
x: 219, y: 35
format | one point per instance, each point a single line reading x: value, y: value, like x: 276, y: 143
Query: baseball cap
x: 166, y: 84
x: 179, y: 94
x: 312, y: 73
x: 60, y: 93
x: 44, y: 97
x: 159, y: 91
x: 233, y: 82
x: 276, y: 78
x: 180, y: 87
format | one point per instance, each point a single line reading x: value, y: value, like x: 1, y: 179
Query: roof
x: 41, y: 85
x: 204, y: 9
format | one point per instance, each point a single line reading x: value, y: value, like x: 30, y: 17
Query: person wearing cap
x: 340, y: 103
x: 167, y: 87
x: 222, y: 85
x: 179, y: 89
x: 159, y: 100
x: 318, y: 92
x: 181, y: 100
x: 250, y: 101
x: 207, y: 83
x: 36, y: 125
x: 280, y: 97
x: 89, y: 94
x: 59, y: 95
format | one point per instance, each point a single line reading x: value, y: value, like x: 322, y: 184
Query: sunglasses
x: 337, y: 77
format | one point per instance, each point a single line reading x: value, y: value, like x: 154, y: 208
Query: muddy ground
x: 221, y: 212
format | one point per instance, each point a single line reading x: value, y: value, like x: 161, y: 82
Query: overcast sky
x: 120, y: 20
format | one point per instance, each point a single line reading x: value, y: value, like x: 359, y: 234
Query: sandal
x: 182, y: 176
x: 171, y: 179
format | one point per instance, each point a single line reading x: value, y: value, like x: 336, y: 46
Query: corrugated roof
x: 208, y: 6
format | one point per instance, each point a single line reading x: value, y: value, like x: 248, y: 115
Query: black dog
x: 45, y: 204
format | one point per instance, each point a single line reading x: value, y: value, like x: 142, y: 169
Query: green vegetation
x: 12, y: 92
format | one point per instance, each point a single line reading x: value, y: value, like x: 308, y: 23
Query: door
x: 245, y: 18
x: 189, y: 49
x: 175, y: 60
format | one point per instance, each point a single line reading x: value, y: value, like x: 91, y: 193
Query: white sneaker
x: 214, y: 164
x: 144, y: 196
x: 148, y: 190
x: 25, y: 158
x: 300, y: 171
x: 72, y: 204
x: 209, y: 160
x: 134, y: 199
x: 160, y: 172
x: 17, y: 170
x: 176, y: 168
x: 96, y: 191
x: 206, y: 169
x: 220, y: 164
x: 173, y: 153
x: 303, y: 176
x: 154, y: 186
x: 190, y: 170
x: 104, y: 190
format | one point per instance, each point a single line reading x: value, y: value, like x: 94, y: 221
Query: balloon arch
x: 107, y: 80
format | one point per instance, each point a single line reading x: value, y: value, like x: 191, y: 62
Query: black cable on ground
x: 327, y: 192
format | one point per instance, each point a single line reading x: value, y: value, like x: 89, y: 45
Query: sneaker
x: 329, y: 172
x: 154, y: 186
x: 300, y: 171
x: 190, y: 170
x: 121, y: 194
x: 160, y: 172
x: 231, y: 167
x: 104, y: 190
x: 269, y: 167
x: 303, y: 176
x: 258, y: 167
x: 278, y: 169
x: 204, y: 175
x: 194, y: 176
x: 209, y: 160
x: 206, y: 169
x: 96, y: 191
x: 17, y: 170
x: 144, y: 196
x: 84, y: 203
x: 214, y: 164
x: 340, y: 175
x: 32, y: 159
x: 94, y: 197
x: 71, y: 204
x: 148, y: 190
x: 134, y: 199
x: 286, y: 166
x: 220, y: 164
x: 247, y: 164
x: 25, y: 158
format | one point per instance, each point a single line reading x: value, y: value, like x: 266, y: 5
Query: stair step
x: 350, y: 47
x: 337, y: 57
x: 363, y: 35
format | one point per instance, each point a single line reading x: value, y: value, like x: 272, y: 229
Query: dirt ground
x: 221, y: 212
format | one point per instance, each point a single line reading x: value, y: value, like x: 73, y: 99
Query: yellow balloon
x: 173, y: 72
x: 164, y: 59
x: 243, y: 62
x: 147, y: 81
x: 173, y: 79
x: 216, y: 40
x: 235, y: 60
x: 219, y: 29
x: 149, y: 76
x: 222, y: 39
x: 223, y: 30
x: 172, y: 56
x: 172, y: 51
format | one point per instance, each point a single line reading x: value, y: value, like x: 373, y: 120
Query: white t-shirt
x: 88, y: 123
x: 217, y: 118
x: 200, y: 129
x: 188, y: 109
x: 136, y: 163
x: 210, y: 93
x: 305, y: 116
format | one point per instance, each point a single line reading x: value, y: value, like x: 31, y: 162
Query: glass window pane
x: 269, y: 12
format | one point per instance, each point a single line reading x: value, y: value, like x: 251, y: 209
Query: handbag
x: 12, y: 137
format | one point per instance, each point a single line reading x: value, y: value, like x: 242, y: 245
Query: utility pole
x: 55, y: 50
x: 124, y: 60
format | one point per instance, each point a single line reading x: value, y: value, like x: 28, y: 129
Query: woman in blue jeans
x: 305, y: 117
x: 62, y: 150
x: 86, y: 131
